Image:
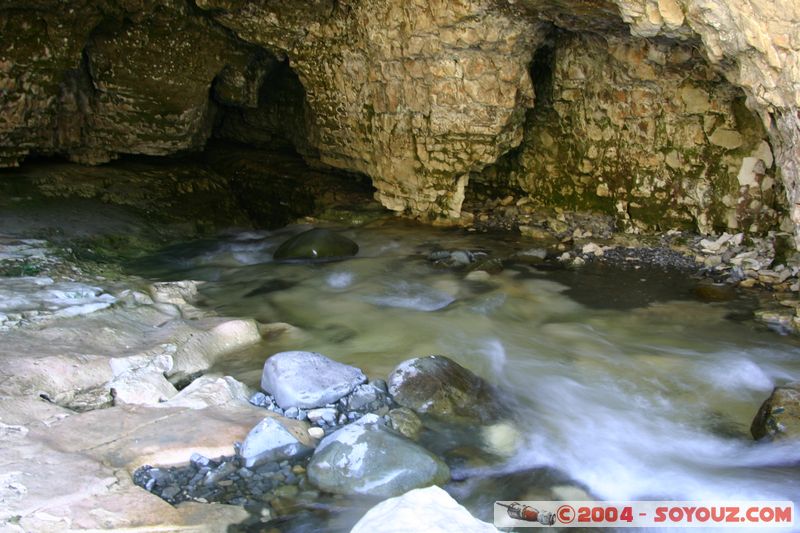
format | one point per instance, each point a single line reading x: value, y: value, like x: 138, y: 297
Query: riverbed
x: 624, y: 384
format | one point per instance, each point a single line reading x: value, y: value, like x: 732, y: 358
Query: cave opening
x: 641, y: 130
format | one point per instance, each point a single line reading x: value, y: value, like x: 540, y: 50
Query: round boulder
x: 308, y: 379
x: 316, y: 244
x: 436, y: 385
x: 779, y: 415
x: 365, y: 458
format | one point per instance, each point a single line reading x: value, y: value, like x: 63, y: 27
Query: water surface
x: 624, y: 385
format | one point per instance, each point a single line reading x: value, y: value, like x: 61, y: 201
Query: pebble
x: 230, y: 482
x: 316, y: 432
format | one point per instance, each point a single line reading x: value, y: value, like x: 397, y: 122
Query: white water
x: 641, y: 402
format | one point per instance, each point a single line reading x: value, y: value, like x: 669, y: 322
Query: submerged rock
x: 316, y: 244
x: 405, y: 421
x: 272, y: 441
x: 436, y: 385
x: 366, y: 458
x: 308, y: 379
x: 431, y: 507
x: 779, y: 415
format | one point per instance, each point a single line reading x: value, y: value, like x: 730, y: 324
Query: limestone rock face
x: 414, y: 94
x: 756, y: 46
x: 649, y: 133
x: 418, y: 95
x: 109, y: 80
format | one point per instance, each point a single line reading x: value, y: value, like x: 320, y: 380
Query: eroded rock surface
x: 419, y: 95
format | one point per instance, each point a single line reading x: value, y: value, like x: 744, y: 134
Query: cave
x: 330, y: 265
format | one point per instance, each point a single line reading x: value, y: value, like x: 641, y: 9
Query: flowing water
x: 624, y: 384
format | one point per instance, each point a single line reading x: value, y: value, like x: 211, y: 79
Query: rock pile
x: 225, y: 480
x: 366, y: 448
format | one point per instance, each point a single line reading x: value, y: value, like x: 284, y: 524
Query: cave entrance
x: 644, y: 131
x: 262, y: 145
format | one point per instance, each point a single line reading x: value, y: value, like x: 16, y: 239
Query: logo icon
x: 517, y: 511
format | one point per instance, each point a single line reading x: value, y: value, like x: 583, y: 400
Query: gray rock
x: 365, y: 458
x: 364, y: 397
x: 308, y: 379
x: 270, y: 441
x: 326, y: 414
x: 218, y: 474
x: 199, y: 461
x: 438, y: 386
x: 316, y: 244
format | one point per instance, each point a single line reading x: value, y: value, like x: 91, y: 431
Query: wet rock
x: 502, y: 438
x: 175, y: 292
x: 714, y: 292
x: 308, y: 379
x: 431, y: 506
x: 367, y: 459
x: 271, y: 440
x: 779, y: 415
x: 366, y: 397
x: 436, y: 385
x: 457, y: 259
x: 316, y: 244
x: 405, y: 421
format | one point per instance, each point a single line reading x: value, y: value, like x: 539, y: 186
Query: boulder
x: 272, y: 441
x: 779, y: 415
x: 436, y: 385
x: 431, y: 509
x: 365, y: 458
x: 308, y: 379
x: 316, y: 244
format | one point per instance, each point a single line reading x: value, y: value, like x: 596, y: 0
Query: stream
x: 624, y: 384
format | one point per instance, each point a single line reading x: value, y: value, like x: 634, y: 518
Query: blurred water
x: 639, y: 392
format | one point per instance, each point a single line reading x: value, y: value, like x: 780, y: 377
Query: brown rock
x: 779, y: 415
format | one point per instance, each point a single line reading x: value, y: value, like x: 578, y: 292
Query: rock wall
x: 97, y: 79
x: 647, y: 132
x: 416, y: 94
x: 756, y: 45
